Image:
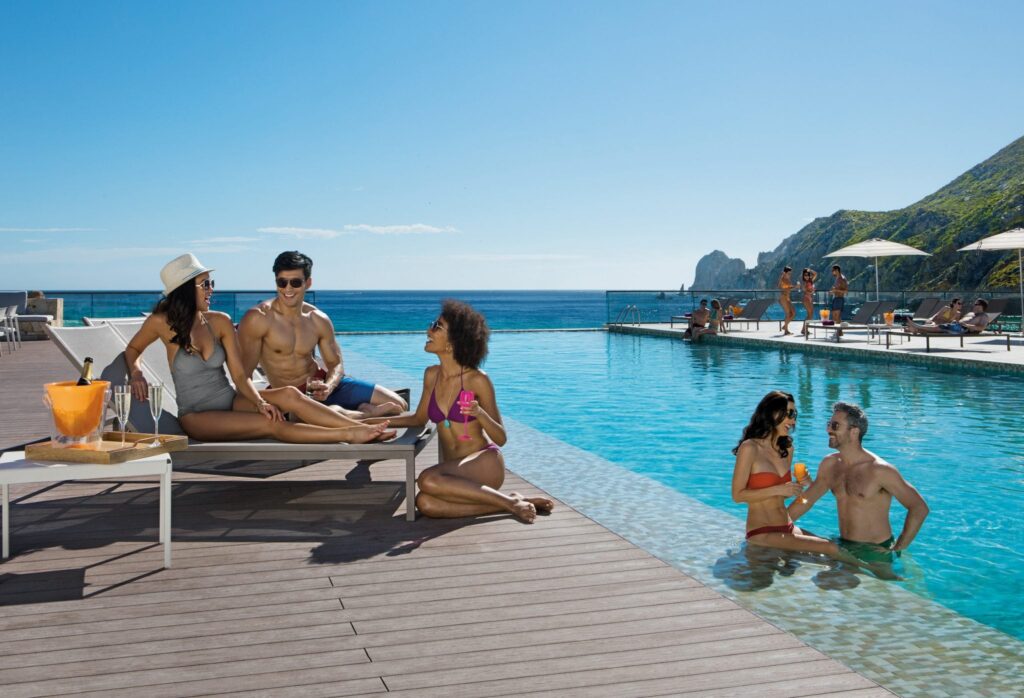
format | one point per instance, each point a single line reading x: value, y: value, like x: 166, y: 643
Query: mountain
x: 985, y: 200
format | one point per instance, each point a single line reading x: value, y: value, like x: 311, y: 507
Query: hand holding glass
x: 122, y: 405
x: 466, y: 398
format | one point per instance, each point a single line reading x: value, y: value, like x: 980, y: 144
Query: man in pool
x: 839, y: 288
x: 864, y: 486
x: 282, y: 335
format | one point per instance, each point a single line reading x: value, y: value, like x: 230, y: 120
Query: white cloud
x: 48, y: 230
x: 303, y: 233
x: 221, y: 240
x: 413, y: 229
x: 86, y: 255
x: 485, y: 257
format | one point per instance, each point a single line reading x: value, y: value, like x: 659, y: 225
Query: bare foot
x: 524, y: 511
x: 540, y: 503
x: 385, y: 409
x: 370, y: 432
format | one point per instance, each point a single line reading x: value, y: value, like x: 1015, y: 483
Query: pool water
x: 672, y: 411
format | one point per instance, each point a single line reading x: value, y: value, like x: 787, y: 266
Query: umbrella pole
x: 878, y: 294
x: 1020, y: 282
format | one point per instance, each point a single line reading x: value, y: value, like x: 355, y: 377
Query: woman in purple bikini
x: 470, y: 432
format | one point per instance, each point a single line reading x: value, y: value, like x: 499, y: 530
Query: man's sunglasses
x: 833, y: 425
x: 294, y: 283
x: 206, y: 284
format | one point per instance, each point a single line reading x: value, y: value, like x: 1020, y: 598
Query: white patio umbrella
x: 1010, y: 240
x: 877, y: 248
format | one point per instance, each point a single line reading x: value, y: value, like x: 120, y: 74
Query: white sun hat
x: 179, y: 270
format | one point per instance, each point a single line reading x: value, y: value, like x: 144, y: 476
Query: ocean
x: 375, y: 311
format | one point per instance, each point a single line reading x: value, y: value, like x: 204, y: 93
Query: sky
x: 476, y: 145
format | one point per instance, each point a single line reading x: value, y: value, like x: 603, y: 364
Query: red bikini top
x: 759, y: 481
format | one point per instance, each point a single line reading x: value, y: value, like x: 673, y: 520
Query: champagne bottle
x: 86, y: 377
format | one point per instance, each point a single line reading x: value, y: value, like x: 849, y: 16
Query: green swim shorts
x: 870, y: 552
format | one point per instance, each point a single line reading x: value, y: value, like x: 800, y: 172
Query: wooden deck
x: 308, y: 582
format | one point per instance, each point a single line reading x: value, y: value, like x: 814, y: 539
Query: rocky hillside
x: 985, y: 200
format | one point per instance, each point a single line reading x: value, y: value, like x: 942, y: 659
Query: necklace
x: 451, y: 395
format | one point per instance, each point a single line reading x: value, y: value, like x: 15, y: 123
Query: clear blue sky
x: 600, y: 145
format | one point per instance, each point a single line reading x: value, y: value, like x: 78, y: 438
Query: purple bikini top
x: 434, y: 412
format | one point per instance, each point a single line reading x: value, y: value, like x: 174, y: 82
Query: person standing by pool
x: 200, y: 343
x: 459, y: 398
x: 839, y: 288
x: 761, y: 478
x: 864, y: 485
x: 807, y: 279
x: 786, y: 285
x: 282, y: 335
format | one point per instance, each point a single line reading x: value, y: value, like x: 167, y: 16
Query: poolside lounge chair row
x: 106, y: 343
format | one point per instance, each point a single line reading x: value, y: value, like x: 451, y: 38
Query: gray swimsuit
x: 201, y: 385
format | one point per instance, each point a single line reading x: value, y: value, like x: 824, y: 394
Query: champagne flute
x: 122, y: 404
x: 466, y: 398
x: 156, y: 399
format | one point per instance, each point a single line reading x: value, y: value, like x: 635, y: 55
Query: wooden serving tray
x: 109, y: 450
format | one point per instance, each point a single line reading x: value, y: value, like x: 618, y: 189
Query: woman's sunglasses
x: 792, y: 414
x: 436, y: 325
x: 206, y: 284
x: 294, y: 283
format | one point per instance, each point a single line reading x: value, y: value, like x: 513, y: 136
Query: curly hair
x: 769, y: 414
x: 467, y: 331
x: 180, y: 308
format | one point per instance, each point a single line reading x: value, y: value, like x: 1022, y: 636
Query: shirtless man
x: 282, y: 334
x: 971, y: 323
x: 839, y: 288
x: 699, y: 319
x: 863, y: 485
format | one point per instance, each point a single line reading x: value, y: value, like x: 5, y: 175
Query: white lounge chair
x: 106, y: 344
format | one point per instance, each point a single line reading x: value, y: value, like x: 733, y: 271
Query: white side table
x: 14, y: 469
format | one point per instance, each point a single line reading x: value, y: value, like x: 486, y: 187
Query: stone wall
x: 41, y: 306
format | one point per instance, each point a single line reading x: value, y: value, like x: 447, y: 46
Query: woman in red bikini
x: 762, y: 480
x: 470, y: 434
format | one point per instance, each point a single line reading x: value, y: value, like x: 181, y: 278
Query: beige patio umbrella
x: 877, y: 248
x: 1010, y: 240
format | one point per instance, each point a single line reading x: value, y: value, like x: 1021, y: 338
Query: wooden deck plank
x: 308, y: 582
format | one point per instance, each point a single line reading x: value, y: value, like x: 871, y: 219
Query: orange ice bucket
x: 77, y: 411
x: 824, y: 314
x: 889, y: 317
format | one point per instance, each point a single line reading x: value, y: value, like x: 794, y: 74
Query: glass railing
x: 100, y: 304
x: 656, y: 306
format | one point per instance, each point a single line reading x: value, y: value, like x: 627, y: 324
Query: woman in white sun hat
x: 199, y: 343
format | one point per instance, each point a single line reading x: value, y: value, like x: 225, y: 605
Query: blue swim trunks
x: 350, y: 393
x: 838, y: 303
x: 954, y: 328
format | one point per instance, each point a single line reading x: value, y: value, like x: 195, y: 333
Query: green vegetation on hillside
x: 987, y: 199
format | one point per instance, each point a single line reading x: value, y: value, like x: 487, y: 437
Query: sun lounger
x: 753, y: 312
x: 929, y: 336
x: 106, y: 345
x: 927, y: 307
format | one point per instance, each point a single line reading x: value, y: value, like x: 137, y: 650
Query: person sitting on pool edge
x: 864, y: 485
x: 971, y: 323
x: 699, y: 319
x: 283, y: 333
x: 470, y: 434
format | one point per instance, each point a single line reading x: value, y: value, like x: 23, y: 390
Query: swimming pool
x: 669, y: 412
